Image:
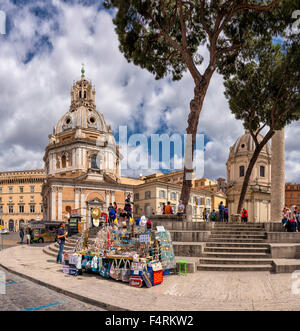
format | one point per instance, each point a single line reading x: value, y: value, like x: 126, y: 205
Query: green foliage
x: 265, y: 90
x: 146, y: 28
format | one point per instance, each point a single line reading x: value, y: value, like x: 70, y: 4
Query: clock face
x: 96, y: 213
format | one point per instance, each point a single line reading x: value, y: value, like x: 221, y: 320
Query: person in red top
x: 168, y: 209
x: 244, y: 215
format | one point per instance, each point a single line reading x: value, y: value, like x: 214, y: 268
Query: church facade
x: 82, y: 161
x: 258, y: 196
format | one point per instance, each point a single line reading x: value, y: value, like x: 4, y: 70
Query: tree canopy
x: 264, y: 93
x: 167, y: 37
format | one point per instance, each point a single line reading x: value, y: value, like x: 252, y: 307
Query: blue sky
x: 41, y: 56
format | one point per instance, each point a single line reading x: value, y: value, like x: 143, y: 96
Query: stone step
x: 49, y: 252
x: 237, y: 229
x: 190, y: 235
x: 236, y: 250
x: 237, y: 236
x: 237, y: 244
x: 239, y: 255
x: 237, y: 240
x: 191, y: 249
x: 248, y: 233
x: 241, y: 261
x: 234, y: 267
x: 67, y: 246
x: 239, y: 224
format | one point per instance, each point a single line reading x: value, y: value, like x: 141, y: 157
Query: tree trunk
x: 196, y: 106
x: 251, y: 165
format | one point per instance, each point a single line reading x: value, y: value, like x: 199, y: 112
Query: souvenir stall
x: 127, y: 253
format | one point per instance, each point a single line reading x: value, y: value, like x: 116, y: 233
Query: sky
x: 41, y: 57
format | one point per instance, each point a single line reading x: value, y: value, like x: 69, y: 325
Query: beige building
x: 82, y: 161
x: 258, y: 197
x: 159, y: 188
x: 20, y: 198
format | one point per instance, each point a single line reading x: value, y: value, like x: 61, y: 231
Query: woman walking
x: 245, y: 215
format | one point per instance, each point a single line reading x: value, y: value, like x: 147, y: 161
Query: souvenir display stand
x: 131, y: 254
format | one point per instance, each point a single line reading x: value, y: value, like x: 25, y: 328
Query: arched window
x: 11, y: 225
x: 80, y: 95
x: 64, y: 161
x: 262, y: 171
x: 242, y: 171
x: 95, y: 164
x: 85, y: 94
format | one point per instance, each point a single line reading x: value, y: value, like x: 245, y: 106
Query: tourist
x: 149, y: 225
x: 61, y: 238
x: 110, y: 207
x: 180, y: 209
x: 292, y: 224
x: 21, y: 235
x: 213, y: 216
x: 168, y: 209
x: 28, y: 236
x: 115, y: 207
x: 112, y: 215
x: 127, y: 206
x: 163, y: 208
x: 205, y: 214
x: 244, y: 215
x: 221, y: 211
x: 226, y: 214
x: 285, y: 217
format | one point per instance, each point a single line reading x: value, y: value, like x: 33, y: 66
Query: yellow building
x: 155, y: 193
x: 20, y: 197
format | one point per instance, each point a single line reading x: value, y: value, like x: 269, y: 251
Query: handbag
x: 119, y: 270
x: 105, y: 271
x: 126, y: 272
x: 112, y: 271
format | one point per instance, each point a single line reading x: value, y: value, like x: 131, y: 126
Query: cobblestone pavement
x: 199, y: 291
x: 22, y: 294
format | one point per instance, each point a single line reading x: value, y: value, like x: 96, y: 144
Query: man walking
x: 221, y: 211
x: 61, y: 238
x: 21, y: 235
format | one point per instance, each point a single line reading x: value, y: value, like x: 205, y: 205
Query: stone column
x: 77, y: 198
x: 83, y: 205
x: 113, y: 199
x: 53, y: 203
x: 74, y: 159
x: 278, y: 176
x: 107, y: 199
x: 60, y: 204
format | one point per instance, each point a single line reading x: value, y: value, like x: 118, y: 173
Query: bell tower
x: 83, y: 93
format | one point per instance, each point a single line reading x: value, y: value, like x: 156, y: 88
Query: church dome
x: 83, y: 118
x: 245, y: 145
x: 82, y: 113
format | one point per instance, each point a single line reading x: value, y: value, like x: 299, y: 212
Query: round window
x: 243, y: 145
x: 92, y: 120
x: 68, y: 121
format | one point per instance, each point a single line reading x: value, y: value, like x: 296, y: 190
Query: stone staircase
x: 52, y: 250
x: 236, y: 247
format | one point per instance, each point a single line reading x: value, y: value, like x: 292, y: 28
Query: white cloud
x: 35, y: 95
